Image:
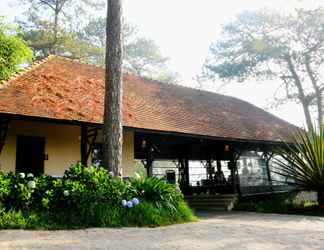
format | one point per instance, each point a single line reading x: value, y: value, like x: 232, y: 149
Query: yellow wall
x: 128, y: 154
x: 62, y: 145
x: 128, y: 161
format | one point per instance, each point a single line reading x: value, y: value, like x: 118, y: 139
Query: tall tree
x: 141, y: 55
x: 46, y: 25
x: 113, y: 128
x: 13, y: 50
x: 268, y: 45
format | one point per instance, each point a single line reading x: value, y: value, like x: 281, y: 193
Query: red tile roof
x: 60, y: 88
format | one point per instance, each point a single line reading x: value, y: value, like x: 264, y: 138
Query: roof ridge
x: 32, y: 66
x: 79, y: 61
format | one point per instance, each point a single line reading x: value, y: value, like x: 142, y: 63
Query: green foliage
x: 13, y: 50
x: 88, y: 196
x: 141, y: 55
x: 86, y: 39
x: 17, y: 191
x: 302, y: 162
x: 287, y: 203
x: 257, y: 42
x: 18, y: 220
x: 268, y: 45
x: 157, y: 191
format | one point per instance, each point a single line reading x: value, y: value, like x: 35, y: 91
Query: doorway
x: 30, y: 155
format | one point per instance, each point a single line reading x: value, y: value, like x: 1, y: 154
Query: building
x: 51, y: 117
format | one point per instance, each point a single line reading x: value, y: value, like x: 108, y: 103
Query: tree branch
x: 316, y: 89
x: 43, y: 2
x: 302, y: 97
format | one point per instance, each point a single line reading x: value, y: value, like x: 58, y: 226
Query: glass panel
x: 161, y: 167
x: 197, y: 173
x: 252, y: 169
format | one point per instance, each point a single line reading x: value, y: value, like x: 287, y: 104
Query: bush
x: 286, y: 203
x: 88, y: 197
x: 156, y: 191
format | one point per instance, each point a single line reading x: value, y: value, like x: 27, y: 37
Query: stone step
x: 211, y: 202
x: 230, y: 196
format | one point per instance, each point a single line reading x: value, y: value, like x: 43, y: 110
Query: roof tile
x: 60, y: 88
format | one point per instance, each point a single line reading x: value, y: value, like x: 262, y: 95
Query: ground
x: 235, y: 230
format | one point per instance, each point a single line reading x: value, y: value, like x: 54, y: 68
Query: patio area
x: 234, y: 230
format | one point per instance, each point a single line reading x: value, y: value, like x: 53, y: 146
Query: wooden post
x: 84, y: 144
x: 149, y: 161
x: 4, y: 126
x: 233, y: 175
x: 113, y: 128
x: 186, y: 172
x: 267, y: 157
x: 209, y: 169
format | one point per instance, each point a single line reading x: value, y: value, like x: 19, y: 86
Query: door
x: 30, y: 155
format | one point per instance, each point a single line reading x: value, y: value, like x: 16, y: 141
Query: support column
x: 233, y: 175
x: 149, y: 161
x: 84, y: 144
x: 209, y: 169
x: 267, y: 157
x: 88, y: 138
x: 4, y: 126
x: 234, y: 171
x: 186, y: 171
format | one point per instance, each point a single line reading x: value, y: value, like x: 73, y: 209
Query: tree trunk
x: 302, y: 96
x: 55, y: 31
x: 307, y: 115
x: 318, y: 92
x: 113, y: 130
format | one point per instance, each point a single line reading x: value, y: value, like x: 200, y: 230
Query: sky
x: 184, y: 30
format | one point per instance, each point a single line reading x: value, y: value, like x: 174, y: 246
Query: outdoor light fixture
x: 226, y: 148
x: 143, y: 144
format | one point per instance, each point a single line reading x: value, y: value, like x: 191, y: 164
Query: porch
x: 209, y: 166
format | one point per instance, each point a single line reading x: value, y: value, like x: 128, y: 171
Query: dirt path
x: 221, y: 231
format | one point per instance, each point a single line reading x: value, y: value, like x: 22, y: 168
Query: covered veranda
x: 209, y: 165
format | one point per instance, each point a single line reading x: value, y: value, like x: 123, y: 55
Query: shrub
x: 302, y: 162
x: 16, y: 191
x: 286, y: 203
x: 156, y: 191
x: 88, y: 196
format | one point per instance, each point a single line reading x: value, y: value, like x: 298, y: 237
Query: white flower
x: 22, y: 175
x: 124, y: 203
x: 66, y: 193
x: 135, y: 201
x: 31, y: 184
x: 137, y: 175
x: 129, y: 204
x: 30, y: 175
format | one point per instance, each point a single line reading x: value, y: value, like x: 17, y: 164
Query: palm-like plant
x: 302, y: 162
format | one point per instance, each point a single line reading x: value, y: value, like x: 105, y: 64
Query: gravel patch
x: 235, y: 230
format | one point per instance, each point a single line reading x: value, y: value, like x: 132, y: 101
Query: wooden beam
x: 84, y: 144
x: 267, y: 158
x: 186, y: 171
x: 4, y: 126
x: 149, y: 161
